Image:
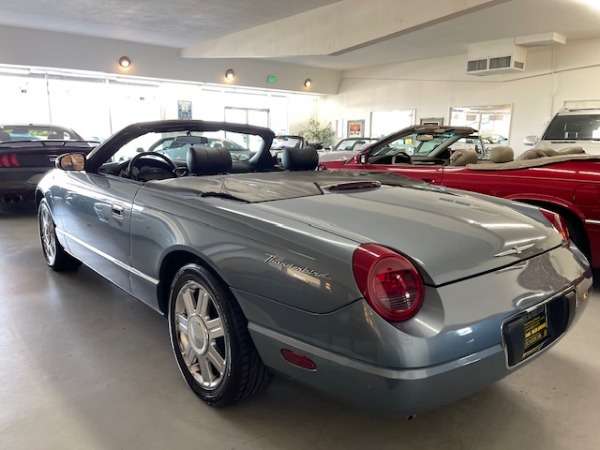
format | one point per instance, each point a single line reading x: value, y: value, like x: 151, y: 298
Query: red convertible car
x: 566, y: 181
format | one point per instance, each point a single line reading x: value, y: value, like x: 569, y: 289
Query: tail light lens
x: 9, y: 160
x: 558, y: 222
x: 389, y: 282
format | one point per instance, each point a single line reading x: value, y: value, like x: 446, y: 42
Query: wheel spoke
x: 188, y: 300
x: 189, y: 354
x: 216, y: 359
x: 215, y: 328
x: 203, y: 303
x: 182, y: 324
x: 205, y: 370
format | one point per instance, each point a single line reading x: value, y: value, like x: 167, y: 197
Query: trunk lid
x: 452, y: 236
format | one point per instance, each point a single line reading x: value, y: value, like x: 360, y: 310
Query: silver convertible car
x: 379, y: 289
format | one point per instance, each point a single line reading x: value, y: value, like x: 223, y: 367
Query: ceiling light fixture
x: 307, y: 83
x: 124, y: 62
x: 229, y: 75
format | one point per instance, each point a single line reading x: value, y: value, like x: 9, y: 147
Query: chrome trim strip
x: 592, y: 222
x: 406, y: 374
x: 110, y: 258
x: 143, y: 276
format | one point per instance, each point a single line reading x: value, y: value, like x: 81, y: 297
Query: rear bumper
x: 410, y: 372
x: 402, y: 392
x: 19, y: 184
x: 398, y: 392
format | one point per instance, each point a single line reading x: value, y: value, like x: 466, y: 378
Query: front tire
x: 54, y: 253
x: 210, y: 340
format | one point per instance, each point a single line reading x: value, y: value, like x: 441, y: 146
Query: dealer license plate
x: 526, y: 335
x: 535, y: 327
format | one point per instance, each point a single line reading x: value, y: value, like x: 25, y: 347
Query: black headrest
x: 305, y: 158
x: 208, y: 161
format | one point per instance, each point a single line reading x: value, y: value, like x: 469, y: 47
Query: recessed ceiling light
x: 124, y: 62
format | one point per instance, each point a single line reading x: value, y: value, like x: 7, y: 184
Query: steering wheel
x: 157, y: 168
x: 401, y: 158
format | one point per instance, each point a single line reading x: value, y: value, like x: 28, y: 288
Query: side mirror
x: 363, y: 158
x: 71, y: 162
x: 530, y: 140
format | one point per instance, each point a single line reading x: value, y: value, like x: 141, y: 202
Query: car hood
x: 448, y: 234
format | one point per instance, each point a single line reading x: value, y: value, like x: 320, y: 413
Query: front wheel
x: 210, y: 339
x: 54, y: 253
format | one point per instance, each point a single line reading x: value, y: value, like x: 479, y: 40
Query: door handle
x: 428, y: 180
x: 117, y: 211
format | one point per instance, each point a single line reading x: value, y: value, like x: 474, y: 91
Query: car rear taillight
x: 558, y: 222
x: 389, y: 282
x: 9, y: 160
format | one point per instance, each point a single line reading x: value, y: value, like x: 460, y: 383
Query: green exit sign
x: 271, y: 79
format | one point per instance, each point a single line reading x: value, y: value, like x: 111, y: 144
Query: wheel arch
x: 572, y: 215
x: 171, y: 263
x: 39, y: 195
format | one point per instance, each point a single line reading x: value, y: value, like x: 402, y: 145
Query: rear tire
x: 54, y: 253
x: 210, y: 340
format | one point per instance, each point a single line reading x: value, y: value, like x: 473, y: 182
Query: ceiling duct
x: 495, y: 57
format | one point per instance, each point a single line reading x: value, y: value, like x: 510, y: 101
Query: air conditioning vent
x: 495, y: 57
x: 502, y: 62
x: 478, y: 64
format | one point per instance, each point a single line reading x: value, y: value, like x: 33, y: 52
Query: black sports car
x: 27, y: 152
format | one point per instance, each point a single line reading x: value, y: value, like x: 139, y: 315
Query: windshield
x: 427, y: 145
x: 354, y: 144
x: 414, y: 144
x: 175, y: 145
x: 36, y: 133
x: 581, y: 127
x: 287, y: 141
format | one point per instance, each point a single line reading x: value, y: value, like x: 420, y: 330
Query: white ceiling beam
x: 335, y: 29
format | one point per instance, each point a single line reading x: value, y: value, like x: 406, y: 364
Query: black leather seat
x: 208, y: 161
x: 305, y: 158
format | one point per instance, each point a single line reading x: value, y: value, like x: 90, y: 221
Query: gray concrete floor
x: 85, y: 366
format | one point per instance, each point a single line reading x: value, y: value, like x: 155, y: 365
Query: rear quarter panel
x: 277, y: 259
x: 573, y: 185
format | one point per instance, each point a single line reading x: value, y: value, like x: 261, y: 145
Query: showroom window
x: 97, y: 105
x: 492, y: 122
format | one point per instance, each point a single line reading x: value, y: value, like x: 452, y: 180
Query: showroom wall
x: 553, y: 76
x: 418, y: 89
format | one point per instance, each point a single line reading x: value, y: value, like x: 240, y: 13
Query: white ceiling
x: 186, y: 23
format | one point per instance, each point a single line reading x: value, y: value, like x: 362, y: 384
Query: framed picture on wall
x: 184, y: 110
x: 356, y: 128
x: 432, y: 121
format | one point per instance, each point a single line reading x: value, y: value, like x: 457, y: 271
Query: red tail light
x: 9, y: 160
x: 558, y: 222
x: 389, y: 282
